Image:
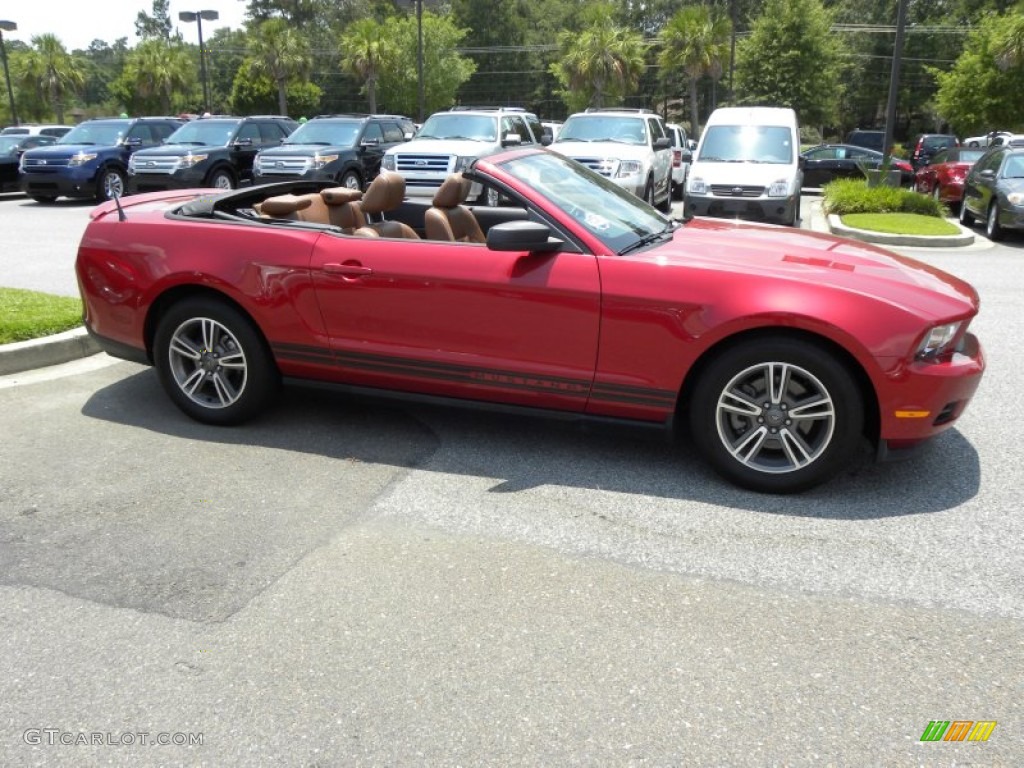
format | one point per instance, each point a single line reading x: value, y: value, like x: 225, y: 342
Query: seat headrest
x: 453, y: 191
x: 385, y: 193
x: 282, y: 205
x: 340, y: 195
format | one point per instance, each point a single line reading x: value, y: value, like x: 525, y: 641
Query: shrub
x: 844, y: 196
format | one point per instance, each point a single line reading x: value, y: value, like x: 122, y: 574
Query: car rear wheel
x: 993, y: 229
x: 213, y: 362
x: 221, y: 179
x: 966, y: 217
x: 350, y: 180
x: 110, y: 183
x: 44, y: 199
x: 777, y: 416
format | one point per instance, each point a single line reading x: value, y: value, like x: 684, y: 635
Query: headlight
x: 629, y: 168
x: 81, y: 158
x: 462, y: 163
x: 388, y: 163
x: 319, y: 161
x: 779, y: 188
x: 938, y: 341
x: 189, y: 160
x: 697, y: 186
x: 1016, y: 198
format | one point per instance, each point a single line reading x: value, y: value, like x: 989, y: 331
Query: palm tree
x: 604, y: 60
x: 159, y: 70
x: 50, y: 70
x: 365, y: 48
x: 282, y: 54
x: 696, y: 41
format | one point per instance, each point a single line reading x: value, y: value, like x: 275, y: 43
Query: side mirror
x: 692, y: 145
x: 511, y: 139
x: 801, y: 162
x: 522, y: 236
x: 243, y: 143
x: 409, y: 135
x: 132, y: 141
x: 685, y: 156
x: 663, y: 143
x: 369, y: 143
x: 988, y: 173
x: 546, y: 140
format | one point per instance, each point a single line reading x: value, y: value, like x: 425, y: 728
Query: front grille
x: 725, y: 190
x: 289, y: 166
x: 47, y: 165
x: 597, y: 165
x: 415, y: 163
x: 155, y: 164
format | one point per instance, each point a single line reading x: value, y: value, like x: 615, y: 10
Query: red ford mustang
x: 780, y: 353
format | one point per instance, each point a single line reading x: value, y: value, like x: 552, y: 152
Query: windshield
x: 452, y: 125
x: 213, y: 133
x: 100, y: 134
x: 626, y: 130
x: 328, y: 132
x: 747, y: 144
x: 617, y: 217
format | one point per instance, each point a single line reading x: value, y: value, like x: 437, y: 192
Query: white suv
x: 449, y: 141
x: 631, y: 147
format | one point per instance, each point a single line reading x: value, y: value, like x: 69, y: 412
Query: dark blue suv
x: 91, y: 160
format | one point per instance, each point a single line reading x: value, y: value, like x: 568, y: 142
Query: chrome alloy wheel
x: 775, y: 417
x: 113, y: 184
x: 207, y: 362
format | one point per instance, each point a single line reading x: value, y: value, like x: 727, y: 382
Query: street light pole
x: 419, y: 55
x: 198, y: 17
x: 894, y: 78
x: 8, y: 26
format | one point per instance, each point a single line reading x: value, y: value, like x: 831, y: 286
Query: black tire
x: 193, y: 340
x: 44, y: 199
x: 993, y: 229
x: 221, y: 179
x: 665, y: 206
x: 110, y: 181
x: 677, y: 190
x: 731, y: 410
x: 649, y: 192
x: 966, y: 217
x: 350, y: 180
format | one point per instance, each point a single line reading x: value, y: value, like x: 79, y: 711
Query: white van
x: 747, y: 165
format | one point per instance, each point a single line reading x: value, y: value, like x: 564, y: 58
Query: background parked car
x: 827, y: 162
x: 994, y: 191
x: 345, y: 149
x: 31, y: 129
x: 943, y: 177
x: 12, y: 146
x: 984, y: 141
x: 631, y: 147
x: 91, y: 160
x: 680, y: 167
x: 208, y: 152
x: 925, y: 145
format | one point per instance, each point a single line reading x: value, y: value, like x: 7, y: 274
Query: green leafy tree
x: 158, y: 25
x: 281, y: 54
x: 603, y: 62
x: 254, y: 93
x: 50, y: 72
x: 444, y: 69
x: 365, y: 45
x: 158, y: 77
x: 791, y: 59
x: 695, y: 42
x: 225, y: 55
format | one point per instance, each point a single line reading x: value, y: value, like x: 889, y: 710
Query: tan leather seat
x: 449, y: 219
x: 284, y: 207
x: 343, y: 209
x: 385, y: 194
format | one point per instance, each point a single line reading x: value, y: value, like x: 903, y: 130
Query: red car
x: 944, y: 176
x: 780, y: 353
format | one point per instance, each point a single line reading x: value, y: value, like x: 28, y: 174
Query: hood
x: 616, y: 149
x: 178, y: 150
x: 305, y: 150
x: 786, y: 254
x: 459, y: 147
x: 62, y: 151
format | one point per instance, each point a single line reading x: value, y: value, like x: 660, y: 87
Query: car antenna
x: 120, y: 210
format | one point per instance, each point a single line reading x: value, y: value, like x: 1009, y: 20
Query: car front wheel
x: 111, y: 183
x: 350, y: 180
x: 221, y: 180
x: 213, y: 362
x: 966, y: 217
x: 777, y: 416
x: 993, y: 229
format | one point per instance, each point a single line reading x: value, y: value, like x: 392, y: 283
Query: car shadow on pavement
x: 525, y: 453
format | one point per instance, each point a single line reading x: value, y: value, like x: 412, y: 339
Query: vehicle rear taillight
x: 677, y: 158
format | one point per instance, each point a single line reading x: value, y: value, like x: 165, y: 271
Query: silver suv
x: 631, y: 147
x: 449, y: 141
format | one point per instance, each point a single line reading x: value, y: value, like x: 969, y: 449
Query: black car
x: 207, y: 152
x: 344, y: 149
x: 827, y: 162
x: 926, y: 145
x: 11, y: 148
x: 994, y: 191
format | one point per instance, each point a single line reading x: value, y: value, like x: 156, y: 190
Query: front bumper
x: 63, y: 181
x: 158, y: 182
x: 776, y: 209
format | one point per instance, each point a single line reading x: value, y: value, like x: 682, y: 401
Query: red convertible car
x: 943, y: 177
x: 780, y: 353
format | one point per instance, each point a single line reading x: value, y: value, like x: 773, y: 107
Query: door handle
x: 348, y: 269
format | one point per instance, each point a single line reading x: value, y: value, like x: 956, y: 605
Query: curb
x: 48, y: 350
x: 881, y: 238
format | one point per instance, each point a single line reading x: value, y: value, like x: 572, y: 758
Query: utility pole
x: 894, y: 78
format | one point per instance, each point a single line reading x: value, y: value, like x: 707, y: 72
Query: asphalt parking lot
x: 347, y: 583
